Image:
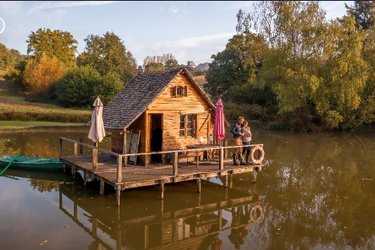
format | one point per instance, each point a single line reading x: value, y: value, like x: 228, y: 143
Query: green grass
x: 33, y: 124
x: 15, y: 107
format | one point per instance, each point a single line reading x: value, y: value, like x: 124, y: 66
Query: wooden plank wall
x: 171, y: 107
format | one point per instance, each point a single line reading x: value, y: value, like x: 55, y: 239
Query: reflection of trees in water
x: 316, y: 194
x: 44, y: 186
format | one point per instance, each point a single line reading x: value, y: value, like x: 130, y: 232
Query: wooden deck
x: 140, y: 176
x: 108, y: 167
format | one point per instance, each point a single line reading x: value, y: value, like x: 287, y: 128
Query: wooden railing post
x: 75, y: 150
x: 60, y: 147
x: 221, y: 159
x: 95, y: 159
x: 197, y: 158
x: 119, y: 168
x: 175, y: 164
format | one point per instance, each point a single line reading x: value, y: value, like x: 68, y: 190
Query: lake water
x: 318, y: 192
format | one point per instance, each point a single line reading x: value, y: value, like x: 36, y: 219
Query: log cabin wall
x: 172, y: 107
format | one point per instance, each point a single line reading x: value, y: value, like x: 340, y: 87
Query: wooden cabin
x: 167, y: 108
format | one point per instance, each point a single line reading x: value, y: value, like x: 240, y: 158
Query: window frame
x: 183, y: 132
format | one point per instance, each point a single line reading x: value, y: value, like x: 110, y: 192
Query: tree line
x: 289, y: 65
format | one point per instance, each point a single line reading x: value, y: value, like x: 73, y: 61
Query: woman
x: 246, y: 140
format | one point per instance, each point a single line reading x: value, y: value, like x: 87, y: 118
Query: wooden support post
x: 118, y: 194
x: 146, y: 233
x: 119, y: 169
x: 102, y: 185
x: 199, y: 185
x: 197, y: 158
x: 80, y: 146
x: 162, y: 189
x: 230, y: 180
x: 220, y: 219
x: 60, y: 147
x: 221, y: 159
x: 226, y: 150
x: 95, y: 159
x: 175, y: 164
x: 75, y: 159
x: 64, y: 168
x: 94, y: 226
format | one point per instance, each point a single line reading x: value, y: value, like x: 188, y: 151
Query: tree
x: 171, y: 63
x: 53, y: 43
x: 77, y: 88
x: 339, y: 100
x: 364, y: 13
x: 41, y: 74
x: 237, y: 65
x: 108, y: 54
x: 9, y: 58
x: 83, y: 84
x: 153, y: 67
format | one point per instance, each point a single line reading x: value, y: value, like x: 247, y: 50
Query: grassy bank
x: 10, y: 125
x: 15, y: 107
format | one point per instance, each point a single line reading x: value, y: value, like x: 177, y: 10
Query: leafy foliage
x: 319, y: 73
x: 53, y: 43
x: 364, y: 13
x: 83, y: 84
x: 106, y: 54
x: 40, y: 74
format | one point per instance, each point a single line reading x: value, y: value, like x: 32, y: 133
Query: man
x: 237, y: 136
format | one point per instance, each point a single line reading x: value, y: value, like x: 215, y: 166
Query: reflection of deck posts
x: 199, y: 185
x: 220, y: 220
x: 146, y: 233
x: 162, y: 189
x: 221, y: 159
x: 230, y: 184
x: 84, y: 177
x: 60, y: 197
x: 94, y: 226
x: 175, y: 164
x: 226, y: 181
x: 102, y: 186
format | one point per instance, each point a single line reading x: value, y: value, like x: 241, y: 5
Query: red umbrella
x: 219, y: 129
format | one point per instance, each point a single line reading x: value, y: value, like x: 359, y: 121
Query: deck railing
x: 120, y: 157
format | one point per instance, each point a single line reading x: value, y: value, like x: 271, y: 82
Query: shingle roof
x: 137, y: 95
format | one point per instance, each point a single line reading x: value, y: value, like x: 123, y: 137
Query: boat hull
x: 32, y: 164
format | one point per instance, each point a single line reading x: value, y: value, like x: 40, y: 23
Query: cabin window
x: 180, y: 91
x: 188, y: 125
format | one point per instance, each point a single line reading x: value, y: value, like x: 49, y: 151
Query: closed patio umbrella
x: 219, y: 129
x: 97, y: 131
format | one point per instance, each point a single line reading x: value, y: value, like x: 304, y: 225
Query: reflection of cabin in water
x: 168, y: 108
x: 178, y: 222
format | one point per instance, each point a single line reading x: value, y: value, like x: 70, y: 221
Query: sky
x: 188, y: 30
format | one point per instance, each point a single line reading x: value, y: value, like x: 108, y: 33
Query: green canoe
x: 30, y: 163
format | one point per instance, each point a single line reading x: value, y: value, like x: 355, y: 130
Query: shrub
x: 110, y: 85
x: 77, y: 88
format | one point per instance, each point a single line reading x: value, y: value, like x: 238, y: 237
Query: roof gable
x: 138, y: 94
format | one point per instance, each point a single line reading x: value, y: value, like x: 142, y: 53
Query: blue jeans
x: 246, y: 151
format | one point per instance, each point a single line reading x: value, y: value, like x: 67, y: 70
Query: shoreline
x: 28, y: 126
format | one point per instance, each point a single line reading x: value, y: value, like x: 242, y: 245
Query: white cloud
x: 174, y: 9
x: 62, y: 4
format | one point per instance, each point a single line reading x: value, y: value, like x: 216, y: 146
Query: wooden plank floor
x: 140, y: 176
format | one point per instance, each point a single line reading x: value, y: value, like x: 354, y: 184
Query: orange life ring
x: 252, y: 155
x: 256, y: 214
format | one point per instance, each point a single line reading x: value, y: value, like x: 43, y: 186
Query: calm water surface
x: 318, y: 192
